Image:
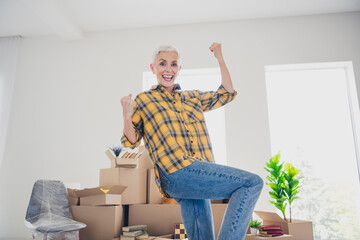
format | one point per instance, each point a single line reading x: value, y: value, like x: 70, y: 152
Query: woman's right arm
x: 129, y: 131
x: 131, y: 135
x: 128, y: 109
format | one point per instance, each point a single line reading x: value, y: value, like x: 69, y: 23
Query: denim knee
x: 257, y: 181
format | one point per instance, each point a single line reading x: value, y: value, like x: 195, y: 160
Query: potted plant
x: 284, y: 184
x: 254, y: 225
x: 116, y: 150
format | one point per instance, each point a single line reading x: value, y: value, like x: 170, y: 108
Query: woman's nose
x: 168, y: 68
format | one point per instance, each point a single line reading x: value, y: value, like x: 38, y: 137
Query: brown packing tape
x: 125, y: 155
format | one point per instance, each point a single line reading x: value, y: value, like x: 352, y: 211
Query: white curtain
x: 8, y: 60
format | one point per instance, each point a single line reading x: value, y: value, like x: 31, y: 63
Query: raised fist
x: 216, y: 49
x: 128, y: 106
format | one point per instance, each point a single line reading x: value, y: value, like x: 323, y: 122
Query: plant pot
x: 253, y: 231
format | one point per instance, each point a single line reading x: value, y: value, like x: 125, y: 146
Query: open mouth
x: 168, y: 78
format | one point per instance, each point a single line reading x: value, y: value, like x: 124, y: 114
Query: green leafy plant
x: 292, y: 183
x: 276, y: 182
x: 283, y: 183
x: 255, y: 224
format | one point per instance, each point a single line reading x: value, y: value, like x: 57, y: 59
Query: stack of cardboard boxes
x: 128, y: 195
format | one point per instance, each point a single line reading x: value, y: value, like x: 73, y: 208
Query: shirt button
x: 187, y: 131
x: 174, y: 102
x: 193, y: 153
x: 191, y: 141
x: 178, y: 111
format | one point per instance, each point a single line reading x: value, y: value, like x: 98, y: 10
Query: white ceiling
x: 69, y: 19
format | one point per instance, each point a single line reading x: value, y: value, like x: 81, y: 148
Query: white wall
x: 66, y: 106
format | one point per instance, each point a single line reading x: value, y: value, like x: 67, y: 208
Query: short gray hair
x: 165, y: 48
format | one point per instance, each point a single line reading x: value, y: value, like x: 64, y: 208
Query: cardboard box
x: 105, y: 195
x: 130, y: 161
x: 134, y: 178
x: 73, y: 197
x: 153, y: 194
x: 217, y: 201
x: 144, y: 159
x: 140, y: 159
x: 218, y: 211
x: 103, y: 222
x: 160, y: 218
x: 283, y: 237
x: 299, y: 229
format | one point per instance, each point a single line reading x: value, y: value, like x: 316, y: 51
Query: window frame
x: 351, y: 91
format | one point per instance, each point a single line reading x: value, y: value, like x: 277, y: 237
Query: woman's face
x: 166, y: 69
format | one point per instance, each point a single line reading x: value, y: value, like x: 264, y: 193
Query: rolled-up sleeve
x: 138, y: 126
x: 213, y: 99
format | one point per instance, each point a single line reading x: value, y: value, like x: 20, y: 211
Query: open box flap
x: 72, y: 192
x: 110, y: 155
x: 115, y: 189
x: 270, y: 216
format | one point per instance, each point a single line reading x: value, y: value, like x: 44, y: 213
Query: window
x: 314, y: 123
x: 204, y: 80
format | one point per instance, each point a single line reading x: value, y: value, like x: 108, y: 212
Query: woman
x: 172, y: 124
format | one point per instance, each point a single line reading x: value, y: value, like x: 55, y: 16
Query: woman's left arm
x: 225, y: 74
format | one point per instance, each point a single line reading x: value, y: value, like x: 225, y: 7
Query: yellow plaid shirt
x: 173, y: 126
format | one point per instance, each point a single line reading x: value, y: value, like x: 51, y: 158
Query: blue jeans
x: 193, y: 187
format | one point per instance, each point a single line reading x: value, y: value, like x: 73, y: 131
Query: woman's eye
x: 162, y: 64
x: 174, y: 65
